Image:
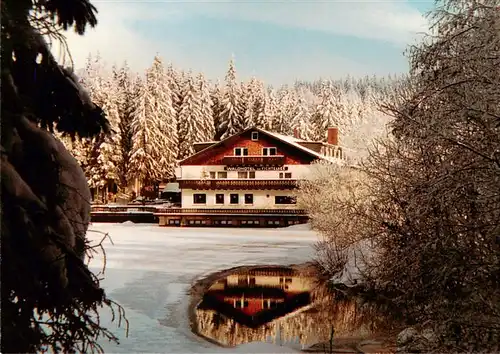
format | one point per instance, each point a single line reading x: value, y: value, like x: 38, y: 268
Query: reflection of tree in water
x: 309, y: 327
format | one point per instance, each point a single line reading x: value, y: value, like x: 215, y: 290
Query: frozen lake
x: 149, y: 271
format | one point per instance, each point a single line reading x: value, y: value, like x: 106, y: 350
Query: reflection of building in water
x: 244, y: 306
x: 262, y: 289
x: 264, y: 303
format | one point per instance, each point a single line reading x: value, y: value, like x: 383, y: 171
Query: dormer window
x: 269, y: 151
x: 240, y: 151
x: 255, y: 136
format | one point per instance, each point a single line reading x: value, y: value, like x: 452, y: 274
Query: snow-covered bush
x: 337, y: 200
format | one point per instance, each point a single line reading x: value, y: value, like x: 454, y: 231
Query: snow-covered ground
x: 149, y: 271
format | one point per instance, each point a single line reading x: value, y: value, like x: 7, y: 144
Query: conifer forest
x: 156, y: 116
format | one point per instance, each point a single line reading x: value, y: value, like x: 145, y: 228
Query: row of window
x: 244, y: 175
x: 267, y: 151
x: 230, y: 222
x: 234, y: 198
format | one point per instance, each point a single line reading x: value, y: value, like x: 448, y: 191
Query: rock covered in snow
x: 412, y: 340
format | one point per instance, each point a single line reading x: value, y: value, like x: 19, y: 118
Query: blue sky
x: 277, y: 41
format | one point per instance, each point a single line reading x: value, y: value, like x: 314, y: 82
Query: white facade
x: 264, y: 183
x: 261, y: 199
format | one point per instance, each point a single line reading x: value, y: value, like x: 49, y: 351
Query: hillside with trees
x: 156, y: 117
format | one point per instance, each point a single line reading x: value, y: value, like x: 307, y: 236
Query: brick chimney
x: 333, y: 136
x: 296, y: 133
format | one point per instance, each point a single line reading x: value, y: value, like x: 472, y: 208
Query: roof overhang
x: 269, y: 134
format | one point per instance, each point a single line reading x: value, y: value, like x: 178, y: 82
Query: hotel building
x: 248, y: 179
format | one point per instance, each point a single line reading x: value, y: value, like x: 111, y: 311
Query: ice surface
x: 149, y: 270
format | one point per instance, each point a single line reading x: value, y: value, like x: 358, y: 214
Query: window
x: 199, y: 198
x: 245, y: 174
x: 234, y: 199
x: 248, y: 198
x: 285, y: 175
x: 222, y: 174
x: 255, y: 136
x: 240, y: 151
x: 269, y: 151
x: 212, y: 175
x: 285, y: 200
x: 219, y: 199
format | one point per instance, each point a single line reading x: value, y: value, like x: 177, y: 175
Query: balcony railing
x: 194, y: 211
x: 238, y: 184
x: 122, y: 209
x: 275, y: 160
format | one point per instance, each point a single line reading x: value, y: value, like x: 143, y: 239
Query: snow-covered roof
x: 295, y: 143
x: 290, y: 140
x: 206, y: 142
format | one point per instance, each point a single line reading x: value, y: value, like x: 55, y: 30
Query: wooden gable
x: 215, y: 154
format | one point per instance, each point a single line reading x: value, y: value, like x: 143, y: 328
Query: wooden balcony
x: 216, y: 211
x: 238, y: 184
x: 122, y: 209
x: 275, y: 160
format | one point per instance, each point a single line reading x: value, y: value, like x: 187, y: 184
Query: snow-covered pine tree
x: 217, y: 109
x: 125, y: 104
x: 231, y: 116
x: 246, y: 105
x: 155, y: 137
x: 287, y: 101
x: 189, y: 119
x: 271, y: 110
x: 247, y: 102
x: 97, y: 159
x: 260, y: 101
x: 301, y: 122
x: 207, y: 128
x: 144, y: 165
x: 327, y: 112
x: 109, y: 155
x: 175, y: 85
x: 254, y: 103
x: 161, y: 106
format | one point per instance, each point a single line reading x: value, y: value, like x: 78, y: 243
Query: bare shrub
x: 429, y: 197
x: 337, y: 200
x: 438, y: 196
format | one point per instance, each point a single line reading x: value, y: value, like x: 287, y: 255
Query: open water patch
x: 260, y: 304
x: 289, y: 306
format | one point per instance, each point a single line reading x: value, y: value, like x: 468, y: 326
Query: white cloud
x: 117, y: 39
x: 395, y: 22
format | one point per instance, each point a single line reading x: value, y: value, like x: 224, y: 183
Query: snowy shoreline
x: 150, y: 271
